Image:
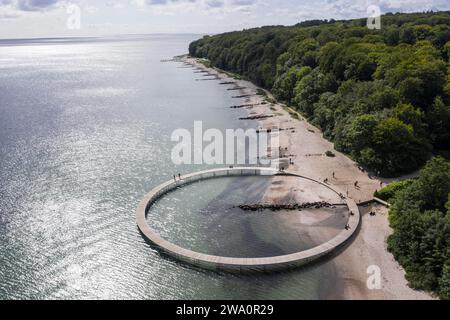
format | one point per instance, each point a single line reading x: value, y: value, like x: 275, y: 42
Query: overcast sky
x: 48, y: 18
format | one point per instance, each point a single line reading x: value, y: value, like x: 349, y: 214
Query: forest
x: 382, y: 96
x: 420, y: 217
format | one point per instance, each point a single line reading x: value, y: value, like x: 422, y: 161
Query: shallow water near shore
x: 85, y: 129
x: 205, y: 217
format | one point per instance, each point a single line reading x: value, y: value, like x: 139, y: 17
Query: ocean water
x: 205, y: 217
x: 85, y: 128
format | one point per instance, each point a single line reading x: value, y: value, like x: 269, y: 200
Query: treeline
x: 382, y: 96
x: 420, y: 217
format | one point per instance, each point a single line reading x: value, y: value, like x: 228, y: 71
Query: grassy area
x: 388, y: 193
x: 294, y: 114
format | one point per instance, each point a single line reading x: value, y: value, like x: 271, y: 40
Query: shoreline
x: 307, y: 148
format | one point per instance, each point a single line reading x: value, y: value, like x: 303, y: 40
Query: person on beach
x: 179, y: 176
x: 174, y: 178
x: 334, y: 175
x: 356, y: 184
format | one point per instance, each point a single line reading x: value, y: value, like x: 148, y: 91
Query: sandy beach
x: 305, y: 146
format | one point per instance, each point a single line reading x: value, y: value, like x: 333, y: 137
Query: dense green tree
x: 407, y: 35
x: 384, y: 98
x: 441, y: 35
x: 327, y: 55
x: 324, y: 113
x: 266, y: 75
x: 439, y: 123
x: 447, y: 50
x: 417, y: 71
x: 423, y: 32
x: 412, y: 89
x: 446, y: 95
x: 392, y: 36
x: 360, y: 135
x: 397, y: 146
x: 421, y: 223
x: 285, y: 84
x: 304, y: 52
x: 444, y: 284
x: 309, y: 88
x: 413, y: 116
x: 434, y: 184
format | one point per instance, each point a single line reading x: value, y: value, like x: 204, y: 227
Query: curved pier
x: 240, y: 265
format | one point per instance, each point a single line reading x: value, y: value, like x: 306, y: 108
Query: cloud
x: 17, y: 8
x: 30, y: 5
x: 197, y: 15
x: 35, y: 5
x: 199, y: 5
x: 333, y: 7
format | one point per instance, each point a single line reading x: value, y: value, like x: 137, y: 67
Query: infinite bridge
x: 239, y: 265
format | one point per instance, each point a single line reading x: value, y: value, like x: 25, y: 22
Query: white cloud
x: 45, y: 17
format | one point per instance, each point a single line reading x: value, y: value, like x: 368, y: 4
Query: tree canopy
x: 420, y: 217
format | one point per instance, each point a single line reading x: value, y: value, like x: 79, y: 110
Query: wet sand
x: 306, y: 147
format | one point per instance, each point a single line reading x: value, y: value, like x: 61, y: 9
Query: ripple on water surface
x: 85, y: 129
x: 205, y: 217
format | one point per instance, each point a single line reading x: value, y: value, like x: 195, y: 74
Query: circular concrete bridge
x: 239, y: 265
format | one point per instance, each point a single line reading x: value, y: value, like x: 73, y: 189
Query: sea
x: 85, y: 133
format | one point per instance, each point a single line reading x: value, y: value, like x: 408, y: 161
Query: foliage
x: 420, y: 217
x: 444, y: 284
x: 388, y: 193
x: 382, y: 96
x: 439, y: 124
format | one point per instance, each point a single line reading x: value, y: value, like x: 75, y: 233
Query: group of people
x: 175, y: 177
x: 327, y: 180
